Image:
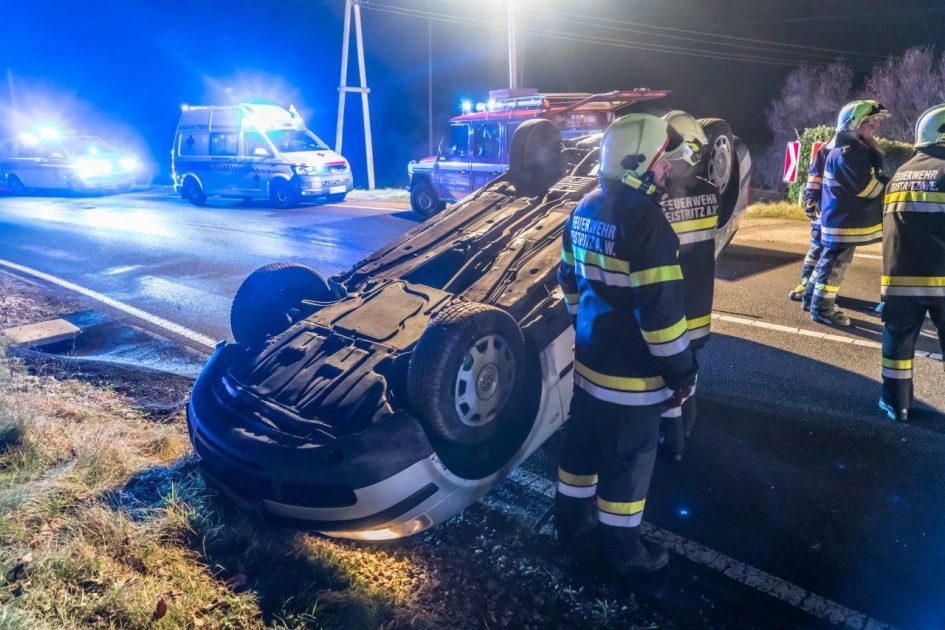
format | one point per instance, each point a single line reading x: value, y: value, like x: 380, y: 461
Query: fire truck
x: 475, y: 148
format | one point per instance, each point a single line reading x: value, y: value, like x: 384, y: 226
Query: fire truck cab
x: 475, y: 148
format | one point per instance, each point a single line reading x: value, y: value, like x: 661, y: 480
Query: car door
x: 451, y: 174
x: 486, y: 155
x: 256, y: 166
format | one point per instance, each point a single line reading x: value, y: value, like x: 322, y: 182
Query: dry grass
x: 380, y: 194
x: 776, y: 210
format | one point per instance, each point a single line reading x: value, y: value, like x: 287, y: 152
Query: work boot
x: 797, y: 293
x: 628, y: 552
x: 831, y: 317
x: 573, y: 517
x: 896, y: 415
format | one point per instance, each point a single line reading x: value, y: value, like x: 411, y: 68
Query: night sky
x: 126, y: 67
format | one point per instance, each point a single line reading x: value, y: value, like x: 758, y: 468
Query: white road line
x: 816, y: 334
x: 870, y: 256
x: 749, y: 576
x: 348, y: 205
x: 154, y: 320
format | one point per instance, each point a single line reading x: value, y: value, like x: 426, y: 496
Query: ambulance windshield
x: 296, y: 141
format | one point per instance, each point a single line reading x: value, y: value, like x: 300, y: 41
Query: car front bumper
x: 324, y: 185
x: 381, y: 483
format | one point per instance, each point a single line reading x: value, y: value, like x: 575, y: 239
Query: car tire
x: 466, y: 375
x: 193, y: 192
x: 718, y: 163
x: 270, y: 299
x: 283, y: 194
x: 424, y: 200
x: 535, y: 160
x: 15, y: 184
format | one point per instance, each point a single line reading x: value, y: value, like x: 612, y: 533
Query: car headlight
x: 128, y: 164
x: 92, y: 168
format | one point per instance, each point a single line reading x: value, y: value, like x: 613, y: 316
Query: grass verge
x: 776, y: 210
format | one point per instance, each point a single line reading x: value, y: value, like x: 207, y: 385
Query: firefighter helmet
x: 632, y: 146
x: 691, y: 131
x: 930, y: 128
x: 854, y: 114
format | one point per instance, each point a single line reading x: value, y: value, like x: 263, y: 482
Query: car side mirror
x: 262, y: 152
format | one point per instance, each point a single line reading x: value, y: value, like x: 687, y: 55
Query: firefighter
x: 691, y: 205
x: 851, y: 205
x: 913, y: 281
x: 815, y: 178
x: 622, y: 283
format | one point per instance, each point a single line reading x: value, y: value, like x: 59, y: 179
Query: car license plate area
x: 337, y: 189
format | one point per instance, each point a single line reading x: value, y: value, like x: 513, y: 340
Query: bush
x: 896, y: 154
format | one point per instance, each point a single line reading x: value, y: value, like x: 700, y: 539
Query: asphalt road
x: 791, y: 470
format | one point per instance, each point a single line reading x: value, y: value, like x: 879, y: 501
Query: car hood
x: 316, y: 158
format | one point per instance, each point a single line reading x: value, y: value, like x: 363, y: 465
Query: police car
x: 48, y: 159
x: 386, y: 399
x: 254, y: 151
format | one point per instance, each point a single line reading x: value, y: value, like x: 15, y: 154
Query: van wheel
x: 283, y: 194
x: 466, y: 379
x: 535, y: 161
x: 193, y: 193
x: 423, y: 199
x: 270, y: 299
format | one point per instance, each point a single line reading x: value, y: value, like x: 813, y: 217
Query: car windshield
x: 296, y: 141
x: 86, y: 145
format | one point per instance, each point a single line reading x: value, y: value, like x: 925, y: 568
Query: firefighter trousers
x: 681, y: 420
x: 608, y: 455
x: 813, y: 255
x: 902, y: 322
x: 824, y: 286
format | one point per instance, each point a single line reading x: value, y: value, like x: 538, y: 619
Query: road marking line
x: 160, y: 322
x: 747, y: 575
x: 803, y: 332
x: 870, y: 256
x: 347, y: 205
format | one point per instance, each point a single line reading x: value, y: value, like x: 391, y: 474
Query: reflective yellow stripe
x: 871, y: 188
x: 915, y: 195
x: 666, y: 334
x: 655, y: 275
x: 913, y: 281
x: 699, y: 322
x: 624, y: 509
x: 571, y: 298
x: 898, y: 364
x: 597, y: 259
x: 579, y: 481
x: 621, y: 383
x: 567, y: 256
x: 814, y: 180
x: 827, y: 287
x: 852, y: 231
x: 694, y: 225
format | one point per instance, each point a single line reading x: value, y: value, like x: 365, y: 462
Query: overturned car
x: 384, y: 400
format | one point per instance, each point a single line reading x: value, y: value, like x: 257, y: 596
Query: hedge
x: 897, y: 153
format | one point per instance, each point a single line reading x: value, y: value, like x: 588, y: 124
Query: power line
x: 600, y: 40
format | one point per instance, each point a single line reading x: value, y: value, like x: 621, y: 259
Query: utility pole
x: 13, y: 104
x: 354, y: 7
x: 430, y: 85
x: 513, y: 74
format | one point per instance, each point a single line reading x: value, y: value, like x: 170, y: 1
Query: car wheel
x: 15, y: 185
x: 283, y: 194
x: 270, y: 299
x: 337, y: 198
x: 465, y: 377
x: 535, y: 161
x: 193, y: 192
x: 718, y: 162
x: 424, y: 200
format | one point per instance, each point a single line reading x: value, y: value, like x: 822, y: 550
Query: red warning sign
x: 791, y: 155
x: 814, y: 149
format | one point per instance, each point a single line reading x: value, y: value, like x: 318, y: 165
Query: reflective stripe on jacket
x: 621, y: 278
x: 691, y: 205
x: 851, y: 200
x: 914, y: 228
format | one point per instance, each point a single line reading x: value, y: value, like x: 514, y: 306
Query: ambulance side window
x: 191, y: 144
x: 224, y: 144
x: 457, y: 142
x: 253, y: 140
